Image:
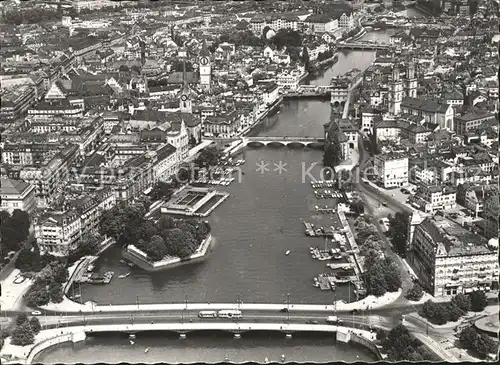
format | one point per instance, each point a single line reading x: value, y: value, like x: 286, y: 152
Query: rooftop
x: 452, y: 239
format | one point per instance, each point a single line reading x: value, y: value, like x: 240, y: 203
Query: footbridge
x: 363, y: 46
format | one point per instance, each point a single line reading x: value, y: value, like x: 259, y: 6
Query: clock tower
x: 205, y: 67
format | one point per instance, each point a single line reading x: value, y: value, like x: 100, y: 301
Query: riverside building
x: 449, y: 259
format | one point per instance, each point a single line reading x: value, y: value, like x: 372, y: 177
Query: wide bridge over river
x: 363, y: 46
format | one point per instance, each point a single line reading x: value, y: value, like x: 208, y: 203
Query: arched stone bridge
x: 283, y: 141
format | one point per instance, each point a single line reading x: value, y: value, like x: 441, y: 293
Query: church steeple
x: 185, y: 104
x: 205, y: 67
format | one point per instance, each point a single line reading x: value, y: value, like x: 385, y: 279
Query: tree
x: 398, y: 231
x: 21, y: 318
x: 166, y: 222
x: 462, y: 301
x: 332, y: 155
x: 415, y: 293
x: 398, y: 344
x: 180, y: 243
x: 392, y: 275
x: 485, y: 345
x: 23, y: 335
x: 156, y: 249
x: 55, y: 292
x: 88, y: 245
x: 28, y: 260
x: 210, y: 156
x: 35, y: 325
x: 478, y: 301
x: 123, y: 223
x: 21, y: 221
x: 162, y: 191
x: 358, y: 207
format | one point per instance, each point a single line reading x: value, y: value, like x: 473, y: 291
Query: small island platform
x: 194, y: 202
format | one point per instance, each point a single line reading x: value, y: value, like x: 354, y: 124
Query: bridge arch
x: 255, y: 144
x: 276, y: 144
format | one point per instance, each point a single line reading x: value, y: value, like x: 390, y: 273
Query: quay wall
x: 140, y: 259
x: 360, y: 340
x: 39, y: 347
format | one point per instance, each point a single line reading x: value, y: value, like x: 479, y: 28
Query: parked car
x: 36, y: 313
x: 405, y: 191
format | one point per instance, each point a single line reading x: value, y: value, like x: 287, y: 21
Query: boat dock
x: 340, y: 265
x: 322, y: 184
x: 312, y: 231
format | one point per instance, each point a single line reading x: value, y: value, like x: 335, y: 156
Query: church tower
x: 412, y: 80
x: 186, y: 104
x: 396, y: 92
x: 205, y: 67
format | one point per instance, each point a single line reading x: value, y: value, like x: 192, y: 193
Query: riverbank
x: 139, y: 258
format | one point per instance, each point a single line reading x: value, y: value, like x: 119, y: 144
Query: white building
x: 392, y: 169
x: 17, y: 194
x: 449, y: 259
x: 288, y: 81
x: 433, y: 198
x: 270, y: 94
x: 58, y: 232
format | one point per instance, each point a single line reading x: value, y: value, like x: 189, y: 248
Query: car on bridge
x: 311, y: 321
x: 284, y: 310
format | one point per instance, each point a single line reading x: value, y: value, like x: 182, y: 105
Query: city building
x: 392, y: 169
x: 449, y: 259
x: 472, y: 196
x: 472, y: 121
x: 491, y: 216
x: 17, y: 194
x: 430, y: 199
x: 321, y: 23
x: 58, y: 232
x: 433, y: 111
x: 341, y: 132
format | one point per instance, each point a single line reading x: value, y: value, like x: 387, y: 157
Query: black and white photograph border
x: 249, y: 181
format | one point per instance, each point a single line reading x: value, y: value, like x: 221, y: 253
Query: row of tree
x: 325, y: 55
x: 25, y: 331
x: 480, y: 343
x: 400, y: 346
x: 398, y: 231
x: 14, y: 230
x: 381, y: 275
x: 460, y: 304
x: 179, y: 238
x: 126, y: 224
x: 48, y: 286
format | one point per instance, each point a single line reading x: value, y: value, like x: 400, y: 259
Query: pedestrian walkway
x: 370, y: 302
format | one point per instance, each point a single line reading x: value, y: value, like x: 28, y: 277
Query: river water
x: 252, y: 230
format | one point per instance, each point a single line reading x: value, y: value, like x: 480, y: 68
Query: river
x: 252, y: 230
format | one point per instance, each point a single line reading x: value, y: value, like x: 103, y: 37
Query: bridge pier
x: 131, y: 336
x: 182, y: 336
x: 237, y: 336
x: 288, y: 336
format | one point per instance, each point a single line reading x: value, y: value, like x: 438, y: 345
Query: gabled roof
x: 13, y: 187
x: 424, y: 105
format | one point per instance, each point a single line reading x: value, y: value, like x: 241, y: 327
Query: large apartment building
x: 392, y: 169
x: 449, y: 259
x: 58, y: 232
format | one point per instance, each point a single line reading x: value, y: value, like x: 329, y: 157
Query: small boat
x: 266, y: 360
x: 123, y: 262
x: 287, y: 252
x: 124, y: 276
x: 90, y: 268
x: 146, y: 350
x: 130, y: 264
x: 132, y: 342
x: 283, y: 358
